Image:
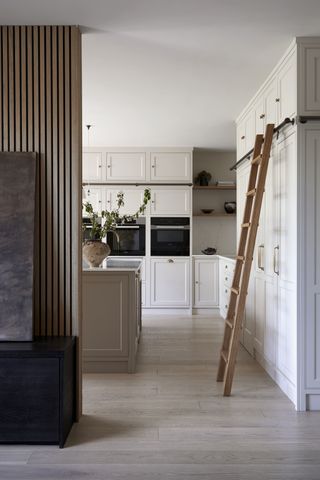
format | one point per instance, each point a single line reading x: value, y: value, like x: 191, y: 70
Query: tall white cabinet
x: 281, y: 320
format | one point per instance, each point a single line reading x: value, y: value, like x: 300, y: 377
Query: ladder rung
x: 235, y: 290
x: 240, y: 257
x: 224, y: 355
x: 230, y: 324
x: 252, y: 192
x: 245, y: 225
x: 257, y: 160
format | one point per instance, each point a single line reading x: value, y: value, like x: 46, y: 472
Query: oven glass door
x: 128, y: 240
x: 170, y: 240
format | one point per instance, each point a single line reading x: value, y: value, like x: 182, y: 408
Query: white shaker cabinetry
x: 170, y: 282
x: 96, y: 196
x: 126, y: 167
x: 166, y: 201
x: 92, y: 167
x: 171, y: 167
x: 133, y: 199
x: 205, y: 282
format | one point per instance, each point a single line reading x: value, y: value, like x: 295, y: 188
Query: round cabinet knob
x: 226, y: 278
x: 226, y: 291
x: 243, y: 137
x: 226, y: 266
x: 100, y: 166
x: 226, y: 306
x: 197, y: 282
x: 262, y: 115
x: 153, y: 166
x: 170, y: 260
x: 277, y: 100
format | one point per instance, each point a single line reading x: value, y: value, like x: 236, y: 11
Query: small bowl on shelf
x: 207, y: 211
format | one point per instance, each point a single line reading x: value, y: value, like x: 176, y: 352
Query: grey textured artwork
x: 17, y: 217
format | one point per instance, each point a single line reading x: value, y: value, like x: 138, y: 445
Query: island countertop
x: 117, y: 265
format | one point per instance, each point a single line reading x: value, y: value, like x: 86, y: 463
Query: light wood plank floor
x: 169, y: 420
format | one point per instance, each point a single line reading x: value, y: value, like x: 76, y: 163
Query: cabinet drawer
x: 225, y: 297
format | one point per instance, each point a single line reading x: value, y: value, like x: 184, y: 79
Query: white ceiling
x: 172, y: 72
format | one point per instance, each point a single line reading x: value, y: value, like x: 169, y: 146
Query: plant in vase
x: 94, y: 249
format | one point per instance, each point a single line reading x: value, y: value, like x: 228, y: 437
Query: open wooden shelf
x: 214, y: 214
x: 215, y: 187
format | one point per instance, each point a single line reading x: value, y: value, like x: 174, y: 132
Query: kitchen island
x: 111, y: 300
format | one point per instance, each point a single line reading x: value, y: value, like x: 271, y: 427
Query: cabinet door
x: 241, y: 140
x: 95, y: 196
x: 246, y: 134
x: 170, y: 282
x: 92, y: 167
x: 287, y: 89
x: 206, y: 277
x: 126, y: 167
x: 171, y: 167
x: 285, y: 255
x: 260, y: 116
x: 173, y: 201
x: 133, y: 199
x: 271, y: 102
x: 309, y: 94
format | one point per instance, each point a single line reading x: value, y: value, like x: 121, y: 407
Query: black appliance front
x: 170, y: 236
x: 128, y: 239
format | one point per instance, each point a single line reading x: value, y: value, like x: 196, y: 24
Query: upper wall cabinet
x: 287, y: 88
x: 309, y: 76
x: 92, y: 166
x: 169, y: 167
x: 135, y: 166
x: 126, y: 167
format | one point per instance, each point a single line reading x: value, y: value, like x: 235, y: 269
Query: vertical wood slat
x: 5, y: 105
x: 55, y: 185
x: 49, y: 252
x: 42, y: 174
x: 36, y: 140
x: 61, y: 178
x: 11, y: 93
x: 67, y: 178
x: 76, y: 199
x: 40, y: 111
x: 17, y: 67
x: 24, y: 89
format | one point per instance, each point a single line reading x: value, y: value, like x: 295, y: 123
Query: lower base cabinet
x: 111, y: 320
x: 205, y: 282
x: 37, y: 394
x: 170, y: 282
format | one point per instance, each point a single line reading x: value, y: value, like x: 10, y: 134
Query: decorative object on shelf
x: 203, y: 178
x: 207, y: 211
x: 209, y: 251
x: 94, y: 249
x: 230, y: 207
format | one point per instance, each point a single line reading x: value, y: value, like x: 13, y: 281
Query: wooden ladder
x: 239, y: 289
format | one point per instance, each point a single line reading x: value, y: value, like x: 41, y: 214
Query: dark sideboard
x: 37, y: 390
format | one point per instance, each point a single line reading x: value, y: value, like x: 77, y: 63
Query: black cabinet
x: 37, y: 390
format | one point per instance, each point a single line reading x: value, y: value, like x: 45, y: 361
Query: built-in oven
x: 128, y: 239
x: 170, y: 236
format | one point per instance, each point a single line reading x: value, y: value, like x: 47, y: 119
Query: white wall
x: 218, y: 232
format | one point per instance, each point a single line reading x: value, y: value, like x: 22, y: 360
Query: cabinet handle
x: 100, y: 166
x: 276, y: 260
x: 260, y: 266
x: 153, y: 166
x: 277, y: 100
x: 262, y: 115
x: 243, y: 137
x: 170, y: 260
x: 226, y: 278
x: 197, y: 282
x: 100, y: 201
x: 226, y: 266
x: 226, y: 306
x: 226, y: 291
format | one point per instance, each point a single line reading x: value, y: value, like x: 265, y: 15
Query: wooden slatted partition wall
x: 40, y: 111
